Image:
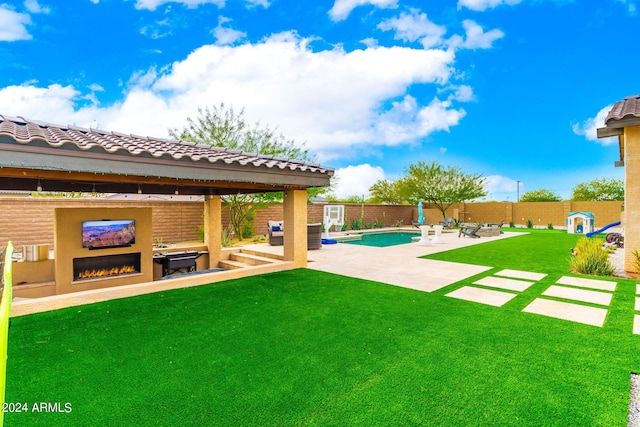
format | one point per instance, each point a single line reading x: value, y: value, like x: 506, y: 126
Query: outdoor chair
x: 276, y: 232
x: 470, y: 230
x: 447, y: 222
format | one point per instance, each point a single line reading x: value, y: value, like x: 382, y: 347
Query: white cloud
x: 415, y: 26
x: 153, y: 4
x: 13, y: 25
x: 255, y: 3
x: 481, y: 5
x: 500, y: 188
x: 342, y: 8
x: 54, y: 104
x: 356, y: 180
x: 225, y: 35
x: 332, y: 100
x: 475, y: 37
x: 589, y: 127
x: 34, y: 7
x: 632, y: 9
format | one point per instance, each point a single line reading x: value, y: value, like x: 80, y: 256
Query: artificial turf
x: 310, y: 348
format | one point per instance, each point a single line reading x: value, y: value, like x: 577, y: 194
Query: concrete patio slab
x: 502, y: 283
x: 567, y: 311
x: 482, y: 296
x: 603, y: 285
x: 636, y: 324
x: 397, y: 265
x: 637, y: 289
x: 637, y: 306
x: 583, y: 295
x: 519, y: 274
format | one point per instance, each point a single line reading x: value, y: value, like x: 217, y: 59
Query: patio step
x: 243, y: 259
x: 250, y: 259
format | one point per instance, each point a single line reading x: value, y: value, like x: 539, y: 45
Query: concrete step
x: 231, y: 264
x: 262, y: 254
x: 250, y: 259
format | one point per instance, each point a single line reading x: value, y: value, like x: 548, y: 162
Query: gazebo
x: 36, y: 155
x: 623, y: 121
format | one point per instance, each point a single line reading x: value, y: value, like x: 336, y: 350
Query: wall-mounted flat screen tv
x: 108, y: 233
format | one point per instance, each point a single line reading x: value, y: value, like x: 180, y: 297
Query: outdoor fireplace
x: 106, y: 266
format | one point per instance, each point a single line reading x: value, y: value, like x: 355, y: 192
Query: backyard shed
x: 580, y: 222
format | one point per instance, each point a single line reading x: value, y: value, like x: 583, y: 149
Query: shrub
x: 589, y: 258
x: 356, y: 224
x: 550, y: 226
x: 511, y: 224
x: 226, y: 238
x: 529, y: 223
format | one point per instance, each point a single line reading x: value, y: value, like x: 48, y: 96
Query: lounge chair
x: 470, y: 230
x: 497, y: 225
x: 447, y: 222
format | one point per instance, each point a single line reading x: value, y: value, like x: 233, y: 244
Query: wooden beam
x: 608, y: 132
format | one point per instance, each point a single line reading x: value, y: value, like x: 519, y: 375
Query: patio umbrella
x: 420, y: 215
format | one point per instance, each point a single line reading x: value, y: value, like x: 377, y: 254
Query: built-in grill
x: 177, y: 262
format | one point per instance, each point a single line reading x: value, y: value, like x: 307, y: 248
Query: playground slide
x: 603, y: 229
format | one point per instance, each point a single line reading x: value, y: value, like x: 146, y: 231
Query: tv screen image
x: 108, y: 233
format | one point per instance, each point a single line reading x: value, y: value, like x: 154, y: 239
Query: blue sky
x: 511, y: 89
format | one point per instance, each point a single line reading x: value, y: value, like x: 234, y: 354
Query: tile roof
x: 25, y: 131
x: 627, y: 108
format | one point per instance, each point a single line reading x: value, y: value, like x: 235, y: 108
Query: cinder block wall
x: 26, y: 220
x: 30, y: 220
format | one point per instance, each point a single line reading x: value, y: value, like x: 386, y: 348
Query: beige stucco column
x: 295, y: 227
x: 631, y: 215
x: 213, y: 228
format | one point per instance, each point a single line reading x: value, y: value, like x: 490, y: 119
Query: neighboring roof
x: 38, y: 146
x: 625, y: 113
x: 629, y: 108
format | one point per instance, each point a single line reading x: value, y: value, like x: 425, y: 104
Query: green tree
x: 221, y: 126
x: 598, y: 190
x: 441, y: 186
x: 385, y: 191
x: 541, y: 195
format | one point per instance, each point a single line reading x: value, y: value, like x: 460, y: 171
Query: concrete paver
x: 519, y: 274
x: 594, y: 297
x: 502, y: 283
x: 603, y: 285
x: 567, y: 311
x: 482, y: 296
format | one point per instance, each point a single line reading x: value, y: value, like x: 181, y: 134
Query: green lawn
x: 313, y: 349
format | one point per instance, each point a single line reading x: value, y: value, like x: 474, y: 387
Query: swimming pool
x: 383, y: 239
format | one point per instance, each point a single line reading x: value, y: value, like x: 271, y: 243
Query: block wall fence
x: 25, y: 220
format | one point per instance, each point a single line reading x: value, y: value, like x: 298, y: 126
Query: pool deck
x: 397, y: 265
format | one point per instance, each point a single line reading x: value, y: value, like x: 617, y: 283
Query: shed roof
x: 71, y: 158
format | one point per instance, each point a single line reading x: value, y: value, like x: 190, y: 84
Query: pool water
x: 383, y: 239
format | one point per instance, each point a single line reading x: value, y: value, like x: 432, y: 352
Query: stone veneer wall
x: 26, y: 220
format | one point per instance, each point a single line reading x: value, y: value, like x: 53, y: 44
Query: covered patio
x: 38, y: 156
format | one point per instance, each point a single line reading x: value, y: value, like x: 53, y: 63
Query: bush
x: 590, y: 258
x: 511, y: 224
x: 550, y: 226
x: 529, y: 223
